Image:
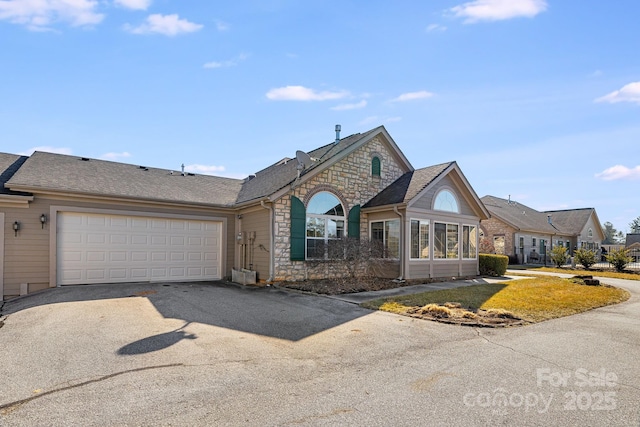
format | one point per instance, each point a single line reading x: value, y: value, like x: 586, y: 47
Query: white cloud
x: 628, y: 93
x: 134, y: 4
x: 169, y: 25
x: 301, y: 93
x: 213, y: 170
x: 619, y: 172
x: 115, y: 156
x: 228, y: 63
x: 497, y: 10
x: 436, y: 27
x: 46, y: 148
x: 355, y: 106
x: 39, y: 15
x: 411, y: 96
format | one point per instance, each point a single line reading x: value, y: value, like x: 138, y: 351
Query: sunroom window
x: 445, y: 241
x: 386, y: 236
x: 419, y: 239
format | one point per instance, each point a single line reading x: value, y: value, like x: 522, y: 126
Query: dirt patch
x: 340, y: 286
x: 453, y: 313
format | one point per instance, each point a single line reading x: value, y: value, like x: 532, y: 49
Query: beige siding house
x: 71, y: 220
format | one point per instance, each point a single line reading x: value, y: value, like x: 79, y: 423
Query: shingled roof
x: 9, y: 165
x: 407, y: 186
x: 571, y: 220
x: 277, y: 176
x: 48, y: 172
x: 520, y: 216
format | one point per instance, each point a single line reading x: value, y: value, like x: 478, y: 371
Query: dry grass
x: 532, y: 300
x: 581, y: 271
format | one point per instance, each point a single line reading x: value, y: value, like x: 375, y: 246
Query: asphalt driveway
x: 214, y: 354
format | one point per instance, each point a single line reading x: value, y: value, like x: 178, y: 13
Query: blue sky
x: 537, y: 99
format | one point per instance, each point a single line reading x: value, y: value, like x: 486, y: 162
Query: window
x: 533, y: 242
x: 590, y: 233
x: 469, y: 239
x: 445, y: 241
x: 446, y: 201
x: 498, y: 244
x: 375, y: 166
x: 419, y: 239
x: 325, y: 222
x: 387, y: 235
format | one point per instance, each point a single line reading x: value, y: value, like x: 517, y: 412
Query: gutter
x: 402, y: 242
x: 271, y: 240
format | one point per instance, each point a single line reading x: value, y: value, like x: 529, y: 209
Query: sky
x: 537, y: 100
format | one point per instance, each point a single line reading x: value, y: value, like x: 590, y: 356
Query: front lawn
x: 516, y: 301
x: 594, y: 271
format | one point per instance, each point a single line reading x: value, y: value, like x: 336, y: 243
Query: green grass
x: 532, y: 300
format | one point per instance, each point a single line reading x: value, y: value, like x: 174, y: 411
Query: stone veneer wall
x: 351, y: 181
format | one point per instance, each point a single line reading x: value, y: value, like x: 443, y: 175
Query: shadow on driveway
x: 263, y: 311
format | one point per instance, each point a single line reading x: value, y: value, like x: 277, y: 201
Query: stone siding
x: 351, y: 181
x: 493, y: 227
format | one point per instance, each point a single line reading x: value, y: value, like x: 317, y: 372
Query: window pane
x: 419, y: 239
x: 339, y: 229
x: 424, y: 239
x: 315, y: 227
x: 446, y: 201
x: 325, y: 203
x: 439, y: 240
x: 392, y: 238
x: 415, y: 238
x: 315, y: 248
x: 452, y: 241
x: 377, y: 231
x: 469, y: 241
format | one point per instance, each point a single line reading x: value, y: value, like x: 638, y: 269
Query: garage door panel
x: 97, y: 248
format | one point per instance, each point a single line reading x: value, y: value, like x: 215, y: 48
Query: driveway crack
x: 9, y: 407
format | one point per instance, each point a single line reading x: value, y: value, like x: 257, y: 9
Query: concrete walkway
x: 360, y: 297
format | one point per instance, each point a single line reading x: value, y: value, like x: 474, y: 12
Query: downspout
x: 271, y: 241
x: 402, y: 242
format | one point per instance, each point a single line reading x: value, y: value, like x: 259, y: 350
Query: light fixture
x: 16, y: 227
x: 43, y: 220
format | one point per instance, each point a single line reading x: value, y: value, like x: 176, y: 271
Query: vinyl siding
x: 256, y: 221
x: 27, y: 256
x: 426, y: 201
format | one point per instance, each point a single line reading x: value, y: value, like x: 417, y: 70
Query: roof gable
x: 9, y: 165
x: 575, y: 220
x: 277, y: 178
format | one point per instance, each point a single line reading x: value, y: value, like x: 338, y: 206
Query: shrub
x: 619, y: 259
x: 493, y: 265
x: 559, y: 255
x: 586, y: 257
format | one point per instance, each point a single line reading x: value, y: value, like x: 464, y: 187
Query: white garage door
x: 100, y: 248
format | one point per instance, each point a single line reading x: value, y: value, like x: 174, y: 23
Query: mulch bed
x: 345, y: 286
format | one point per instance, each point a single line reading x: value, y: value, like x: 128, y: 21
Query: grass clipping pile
x: 453, y: 312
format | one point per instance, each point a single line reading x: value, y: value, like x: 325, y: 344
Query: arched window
x: 375, y: 166
x: 325, y: 222
x: 446, y: 201
x: 590, y: 232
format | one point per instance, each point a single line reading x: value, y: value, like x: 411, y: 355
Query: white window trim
x: 453, y: 194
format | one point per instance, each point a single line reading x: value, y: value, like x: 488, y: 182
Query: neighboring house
x: 71, y: 220
x: 632, y: 241
x: 518, y: 230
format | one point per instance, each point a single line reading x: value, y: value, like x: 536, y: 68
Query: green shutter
x: 354, y: 222
x: 298, y: 229
x: 375, y: 166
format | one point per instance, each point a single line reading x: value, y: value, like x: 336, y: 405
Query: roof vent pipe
x: 549, y: 219
x: 182, y: 169
x: 338, y: 129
